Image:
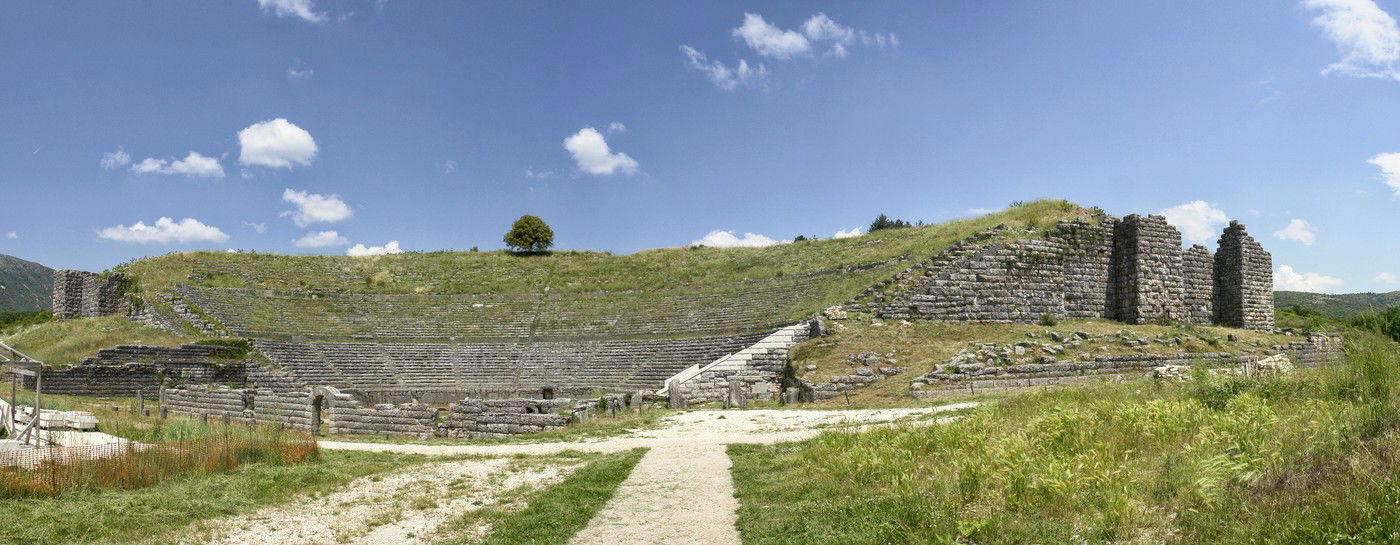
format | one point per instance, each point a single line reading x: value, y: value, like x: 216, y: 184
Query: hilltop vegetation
x: 571, y: 271
x: 68, y: 341
x: 24, y: 285
x: 1337, y: 306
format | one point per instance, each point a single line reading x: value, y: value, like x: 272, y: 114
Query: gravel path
x: 681, y: 492
x: 675, y: 495
x: 398, y: 508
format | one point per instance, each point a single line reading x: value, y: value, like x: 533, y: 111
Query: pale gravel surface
x: 682, y: 492
x: 385, y: 509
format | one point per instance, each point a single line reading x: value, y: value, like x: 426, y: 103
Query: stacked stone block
x: 1198, y: 276
x: 1148, y: 270
x: 413, y: 419
x: 504, y: 417
x: 81, y: 294
x: 1243, y: 281
x: 130, y: 369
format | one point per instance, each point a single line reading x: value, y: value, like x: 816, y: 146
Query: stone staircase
x: 890, y: 293
x: 760, y: 365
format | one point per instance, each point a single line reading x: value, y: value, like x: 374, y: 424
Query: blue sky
x: 312, y: 126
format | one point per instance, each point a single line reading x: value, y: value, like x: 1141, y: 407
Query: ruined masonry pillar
x: 1244, y: 278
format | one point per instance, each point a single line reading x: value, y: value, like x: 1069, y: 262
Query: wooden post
x: 140, y: 402
x: 14, y: 402
x: 38, y: 413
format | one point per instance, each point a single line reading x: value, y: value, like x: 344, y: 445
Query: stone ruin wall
x: 125, y: 370
x: 1131, y: 269
x: 81, y: 294
x: 467, y: 418
x: 1243, y: 281
x: 1317, y: 349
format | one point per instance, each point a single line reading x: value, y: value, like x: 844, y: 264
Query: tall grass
x: 1220, y: 460
x: 57, y: 470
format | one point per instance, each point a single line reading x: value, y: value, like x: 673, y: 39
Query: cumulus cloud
x: 193, y: 165
x: 769, y: 40
x: 301, y: 9
x: 727, y: 239
x: 591, y: 152
x: 313, y: 208
x: 258, y: 228
x: 114, y: 159
x: 1388, y: 278
x: 1389, y: 164
x: 164, y: 231
x: 1286, y: 279
x: 293, y: 73
x: 277, y: 144
x: 1199, y: 221
x: 320, y: 239
x: 1299, y: 231
x: 1365, y: 35
x: 723, y: 76
x: 616, y: 127
x: 532, y: 173
x: 847, y: 233
x: 11, y: 234
x: 359, y: 250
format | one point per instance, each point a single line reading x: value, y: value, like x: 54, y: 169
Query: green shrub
x: 530, y: 234
x: 1048, y: 320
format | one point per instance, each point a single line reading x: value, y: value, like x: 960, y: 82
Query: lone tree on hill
x: 530, y: 234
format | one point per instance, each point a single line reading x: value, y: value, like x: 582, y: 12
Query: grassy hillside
x: 1306, y: 458
x: 66, y: 342
x: 24, y: 285
x: 1338, y: 306
x: 570, y: 271
x: 921, y: 346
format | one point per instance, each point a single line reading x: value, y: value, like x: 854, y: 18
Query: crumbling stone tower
x: 1198, y: 277
x: 1147, y: 270
x: 81, y: 294
x: 1244, y: 275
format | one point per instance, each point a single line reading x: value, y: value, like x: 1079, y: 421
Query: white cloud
x: 616, y: 127
x: 449, y: 166
x: 591, y: 152
x: 114, y: 159
x: 1365, y: 35
x: 164, y: 231
x: 847, y: 233
x: 293, y: 73
x: 820, y: 27
x: 276, y: 143
x: 320, y: 239
x: 769, y: 40
x: 1298, y: 230
x: 312, y: 208
x: 258, y: 228
x: 1199, y: 221
x: 1389, y: 164
x: 1286, y: 279
x: 727, y: 239
x: 532, y: 173
x: 359, y: 250
x: 723, y: 76
x: 232, y: 251
x: 193, y: 165
x: 303, y: 9
x: 1388, y: 278
x: 11, y: 234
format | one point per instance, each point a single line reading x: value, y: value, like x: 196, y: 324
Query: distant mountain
x: 1343, y: 305
x: 24, y: 285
